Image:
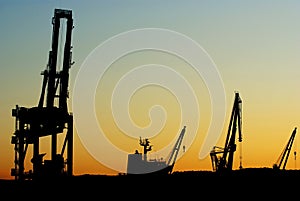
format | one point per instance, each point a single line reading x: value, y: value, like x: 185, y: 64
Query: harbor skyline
x: 254, y: 46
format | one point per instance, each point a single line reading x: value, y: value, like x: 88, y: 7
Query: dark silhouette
x: 224, y: 163
x: 51, y: 119
x: 283, y: 158
x: 139, y: 164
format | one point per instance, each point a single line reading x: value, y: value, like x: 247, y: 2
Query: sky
x: 168, y: 64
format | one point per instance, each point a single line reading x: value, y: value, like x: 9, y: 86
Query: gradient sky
x: 255, y: 46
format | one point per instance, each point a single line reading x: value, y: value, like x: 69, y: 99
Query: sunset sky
x: 253, y: 46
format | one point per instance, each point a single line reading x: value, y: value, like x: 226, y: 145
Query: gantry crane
x: 51, y: 119
x: 225, y: 161
x: 283, y: 158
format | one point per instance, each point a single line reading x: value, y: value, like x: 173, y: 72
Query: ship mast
x: 146, y: 147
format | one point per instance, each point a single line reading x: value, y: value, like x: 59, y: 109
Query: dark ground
x: 252, y: 183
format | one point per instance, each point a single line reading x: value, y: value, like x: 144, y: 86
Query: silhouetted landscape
x: 52, y: 179
x: 248, y: 180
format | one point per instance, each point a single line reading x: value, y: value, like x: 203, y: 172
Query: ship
x: 138, y: 163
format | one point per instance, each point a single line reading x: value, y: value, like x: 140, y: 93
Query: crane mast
x: 50, y: 119
x: 283, y: 158
x: 225, y: 161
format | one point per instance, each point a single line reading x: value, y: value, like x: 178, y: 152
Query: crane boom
x: 283, y: 158
x: 176, y: 148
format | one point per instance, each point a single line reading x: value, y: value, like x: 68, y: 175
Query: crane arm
x: 176, y: 148
x: 286, y: 152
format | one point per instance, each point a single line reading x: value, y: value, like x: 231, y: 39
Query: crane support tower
x: 283, y: 158
x: 224, y: 162
x: 51, y: 118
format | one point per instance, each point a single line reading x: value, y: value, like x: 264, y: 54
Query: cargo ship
x: 138, y: 163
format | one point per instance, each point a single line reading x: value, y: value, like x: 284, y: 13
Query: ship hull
x: 136, y: 166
